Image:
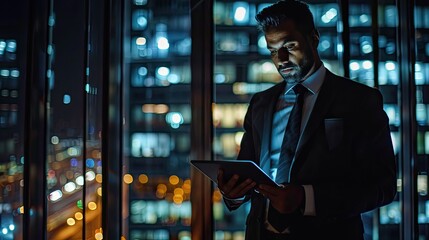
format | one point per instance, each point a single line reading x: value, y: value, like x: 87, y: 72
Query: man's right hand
x: 232, y: 189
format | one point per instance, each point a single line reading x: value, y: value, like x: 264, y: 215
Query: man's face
x: 290, y: 51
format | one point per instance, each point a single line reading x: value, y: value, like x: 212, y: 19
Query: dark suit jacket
x: 345, y: 153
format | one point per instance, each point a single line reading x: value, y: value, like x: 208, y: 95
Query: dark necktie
x: 290, y: 141
x: 291, y: 136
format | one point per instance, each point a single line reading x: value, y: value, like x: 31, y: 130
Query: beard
x: 296, y: 72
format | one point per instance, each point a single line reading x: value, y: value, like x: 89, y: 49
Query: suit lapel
x: 271, y: 101
x: 321, y: 106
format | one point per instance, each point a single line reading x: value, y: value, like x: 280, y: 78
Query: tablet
x: 244, y: 168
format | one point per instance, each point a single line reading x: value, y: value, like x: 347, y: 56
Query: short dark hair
x: 297, y: 11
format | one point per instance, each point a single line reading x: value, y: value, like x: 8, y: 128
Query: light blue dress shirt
x: 281, y: 116
x: 280, y: 119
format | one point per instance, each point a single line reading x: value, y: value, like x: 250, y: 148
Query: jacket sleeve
x: 246, y: 152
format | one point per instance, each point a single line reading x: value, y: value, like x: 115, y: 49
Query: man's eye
x: 290, y: 46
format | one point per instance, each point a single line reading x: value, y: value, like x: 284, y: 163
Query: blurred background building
x: 103, y: 104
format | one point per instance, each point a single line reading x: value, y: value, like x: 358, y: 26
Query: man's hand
x: 231, y: 189
x: 284, y: 199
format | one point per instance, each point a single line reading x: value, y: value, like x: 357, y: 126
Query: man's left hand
x: 285, y: 199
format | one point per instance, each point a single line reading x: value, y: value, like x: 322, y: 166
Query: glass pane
x: 157, y: 48
x: 242, y: 68
x: 65, y: 176
x: 73, y: 160
x: 13, y: 51
x: 386, y: 223
x: 421, y: 18
x: 382, y: 73
x: 93, y: 87
x: 327, y: 18
x: 361, y: 43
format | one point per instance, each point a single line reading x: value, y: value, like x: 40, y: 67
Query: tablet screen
x: 244, y: 168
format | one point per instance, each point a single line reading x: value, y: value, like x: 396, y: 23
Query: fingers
x: 287, y: 199
x: 220, y: 178
x: 231, y: 188
x: 266, y: 194
x: 269, y: 191
x: 225, y: 187
x: 284, y: 199
x: 228, y: 186
x: 242, y: 188
x: 231, y: 182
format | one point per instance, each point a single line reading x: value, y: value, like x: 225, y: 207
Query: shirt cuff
x: 310, y: 206
x: 236, y: 200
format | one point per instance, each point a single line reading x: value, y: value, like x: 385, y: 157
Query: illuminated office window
x: 158, y: 116
x: 421, y: 80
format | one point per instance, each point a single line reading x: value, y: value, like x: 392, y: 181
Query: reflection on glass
x: 392, y: 111
x: 229, y: 115
x: 388, y: 73
x: 74, y: 161
x: 325, y: 15
x: 263, y: 71
x: 232, y: 42
x: 161, y: 212
x: 239, y: 13
x: 13, y: 51
x: 362, y: 71
x: 150, y: 145
x: 225, y: 73
x: 140, y: 19
x: 360, y: 15
x: 388, y: 15
x: 328, y: 45
x: 390, y: 214
x: 162, y: 75
x: 360, y: 46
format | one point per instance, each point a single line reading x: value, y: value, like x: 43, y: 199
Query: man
x: 334, y: 163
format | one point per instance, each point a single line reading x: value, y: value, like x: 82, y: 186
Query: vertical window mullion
x: 112, y: 119
x: 35, y: 123
x: 406, y: 40
x: 345, y: 35
x: 201, y: 104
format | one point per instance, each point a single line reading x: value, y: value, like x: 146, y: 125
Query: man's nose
x: 283, y: 55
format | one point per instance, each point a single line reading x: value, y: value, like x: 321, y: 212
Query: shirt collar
x: 313, y: 82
